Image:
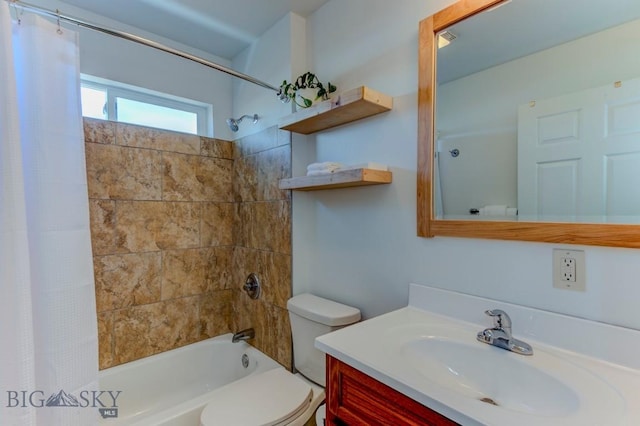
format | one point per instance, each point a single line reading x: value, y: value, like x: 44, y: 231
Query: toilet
x: 279, y: 397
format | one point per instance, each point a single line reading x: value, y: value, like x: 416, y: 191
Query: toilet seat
x: 275, y: 397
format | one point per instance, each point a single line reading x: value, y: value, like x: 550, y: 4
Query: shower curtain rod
x: 140, y: 40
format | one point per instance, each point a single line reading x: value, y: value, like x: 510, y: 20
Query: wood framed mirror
x: 581, y: 231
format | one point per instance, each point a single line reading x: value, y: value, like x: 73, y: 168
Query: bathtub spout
x: 247, y: 334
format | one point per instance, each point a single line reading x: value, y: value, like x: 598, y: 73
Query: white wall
x: 359, y: 245
x: 279, y: 55
x: 119, y: 60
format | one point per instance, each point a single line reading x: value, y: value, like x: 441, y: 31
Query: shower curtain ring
x: 59, y: 31
x: 16, y: 11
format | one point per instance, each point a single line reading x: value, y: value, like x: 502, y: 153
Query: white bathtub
x: 172, y: 388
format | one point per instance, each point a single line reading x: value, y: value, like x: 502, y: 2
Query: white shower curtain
x: 48, y: 340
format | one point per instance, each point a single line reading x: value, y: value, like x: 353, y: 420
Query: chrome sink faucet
x: 500, y: 335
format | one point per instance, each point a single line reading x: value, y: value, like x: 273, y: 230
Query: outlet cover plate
x: 561, y: 257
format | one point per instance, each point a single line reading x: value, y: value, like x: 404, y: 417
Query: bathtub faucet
x: 247, y: 334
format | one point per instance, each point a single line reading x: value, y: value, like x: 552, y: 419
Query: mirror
x: 529, y: 118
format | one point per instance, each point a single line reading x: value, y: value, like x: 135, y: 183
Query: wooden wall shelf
x: 344, y: 108
x: 342, y: 179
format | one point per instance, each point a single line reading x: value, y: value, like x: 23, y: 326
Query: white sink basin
x: 542, y: 386
x: 490, y: 375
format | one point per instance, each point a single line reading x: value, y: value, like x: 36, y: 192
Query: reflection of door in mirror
x: 579, y: 155
x: 483, y: 77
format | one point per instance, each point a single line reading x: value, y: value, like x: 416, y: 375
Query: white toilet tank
x: 312, y: 316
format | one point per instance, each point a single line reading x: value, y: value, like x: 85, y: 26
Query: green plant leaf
x: 308, y: 80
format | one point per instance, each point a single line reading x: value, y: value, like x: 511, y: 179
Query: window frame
x: 114, y: 90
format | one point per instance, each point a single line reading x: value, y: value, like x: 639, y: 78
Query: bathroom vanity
x: 354, y: 398
x: 424, y: 365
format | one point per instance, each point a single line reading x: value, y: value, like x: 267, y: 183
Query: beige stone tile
x: 236, y: 320
x: 245, y: 261
x: 215, y: 177
x: 276, y: 278
x: 257, y: 142
x: 154, y: 225
x: 249, y: 313
x: 145, y: 330
x: 196, y: 178
x: 271, y: 325
x: 216, y: 311
x: 240, y: 225
x: 105, y: 340
x: 260, y: 319
x: 265, y: 226
x: 256, y: 177
x: 273, y: 226
x: 150, y: 138
x: 99, y: 131
x: 284, y: 137
x: 261, y: 141
x: 273, y: 165
x: 279, y: 340
x: 217, y: 224
x: 102, y: 214
x: 188, y: 272
x: 237, y: 150
x: 127, y: 280
x: 273, y: 270
x: 223, y: 268
x: 245, y: 179
x: 116, y: 172
x: 218, y: 148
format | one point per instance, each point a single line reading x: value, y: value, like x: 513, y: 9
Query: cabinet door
x: 355, y: 399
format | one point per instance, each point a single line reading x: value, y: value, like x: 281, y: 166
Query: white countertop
x: 599, y: 360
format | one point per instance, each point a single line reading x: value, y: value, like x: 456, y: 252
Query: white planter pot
x: 308, y: 94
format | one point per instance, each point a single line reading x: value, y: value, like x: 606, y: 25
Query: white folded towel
x: 372, y: 166
x: 327, y: 165
x: 498, y: 210
x: 319, y: 172
x: 493, y: 210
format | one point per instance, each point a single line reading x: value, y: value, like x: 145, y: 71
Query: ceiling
x: 220, y: 27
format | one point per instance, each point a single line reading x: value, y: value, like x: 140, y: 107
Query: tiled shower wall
x: 262, y: 238
x: 164, y: 226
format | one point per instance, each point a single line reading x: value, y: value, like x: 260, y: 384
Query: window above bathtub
x: 108, y: 100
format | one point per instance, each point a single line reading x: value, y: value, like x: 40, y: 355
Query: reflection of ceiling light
x: 444, y: 38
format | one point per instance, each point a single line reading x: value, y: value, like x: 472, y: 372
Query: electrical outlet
x: 568, y: 269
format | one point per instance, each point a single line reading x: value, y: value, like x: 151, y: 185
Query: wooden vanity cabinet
x: 354, y: 399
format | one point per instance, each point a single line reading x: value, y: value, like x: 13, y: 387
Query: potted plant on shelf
x: 305, y: 90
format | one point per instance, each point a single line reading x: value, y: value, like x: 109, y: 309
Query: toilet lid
x: 266, y: 399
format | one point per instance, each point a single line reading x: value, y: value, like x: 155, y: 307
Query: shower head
x: 234, y: 122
